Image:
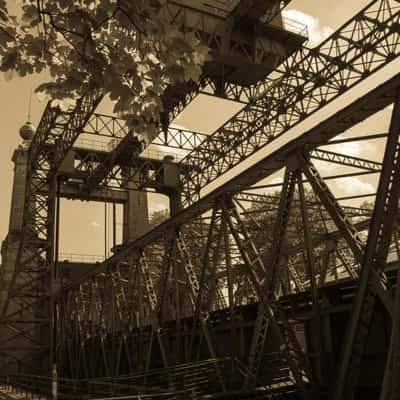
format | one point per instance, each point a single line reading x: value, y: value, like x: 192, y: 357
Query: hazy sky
x: 83, y: 223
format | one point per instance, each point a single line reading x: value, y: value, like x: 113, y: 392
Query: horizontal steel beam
x: 73, y: 192
x: 346, y: 160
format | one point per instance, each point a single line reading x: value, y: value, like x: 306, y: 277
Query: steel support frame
x: 270, y: 277
x: 344, y: 224
x: 299, y: 87
x: 176, y: 219
x: 33, y: 284
x: 373, y: 261
x: 291, y: 349
x: 69, y: 133
x: 374, y: 101
x: 212, y: 34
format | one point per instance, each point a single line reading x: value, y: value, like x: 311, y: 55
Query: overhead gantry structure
x: 201, y: 291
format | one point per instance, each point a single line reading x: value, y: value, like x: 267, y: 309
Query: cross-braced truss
x: 238, y: 290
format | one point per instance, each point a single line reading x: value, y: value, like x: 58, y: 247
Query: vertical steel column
x: 391, y: 385
x: 55, y: 291
x: 152, y: 298
x: 207, y: 267
x: 82, y: 311
x: 274, y: 269
x: 391, y: 382
x: 194, y: 293
x: 98, y: 303
x: 165, y: 276
x: 326, y: 259
x: 229, y: 277
x: 124, y: 312
x: 50, y: 279
x: 310, y: 268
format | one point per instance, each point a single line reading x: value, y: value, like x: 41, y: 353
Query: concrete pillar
x: 172, y: 183
x: 136, y: 214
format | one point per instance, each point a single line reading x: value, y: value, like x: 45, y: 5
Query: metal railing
x: 183, y: 382
x: 80, y: 258
x: 294, y: 26
x: 35, y: 387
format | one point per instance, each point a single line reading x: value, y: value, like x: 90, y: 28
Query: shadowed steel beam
x: 124, y: 313
x: 374, y: 260
x: 97, y: 302
x: 391, y: 385
x: 109, y: 126
x: 208, y: 266
x: 316, y: 334
x: 280, y: 229
x: 78, y: 119
x: 128, y: 144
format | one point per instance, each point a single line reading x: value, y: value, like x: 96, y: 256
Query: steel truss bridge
x: 240, y: 293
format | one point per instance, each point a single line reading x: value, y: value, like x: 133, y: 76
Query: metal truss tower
x: 239, y: 293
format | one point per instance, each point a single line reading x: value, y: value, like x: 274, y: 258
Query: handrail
x: 40, y: 387
x: 295, y: 26
x: 160, y: 384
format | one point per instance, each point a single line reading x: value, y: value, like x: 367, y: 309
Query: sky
x: 82, y: 223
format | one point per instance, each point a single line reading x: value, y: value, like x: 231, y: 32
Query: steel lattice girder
x: 104, y: 167
x: 114, y: 127
x: 300, y: 86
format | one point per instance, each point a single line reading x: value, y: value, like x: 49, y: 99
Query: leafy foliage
x: 158, y: 217
x: 125, y: 49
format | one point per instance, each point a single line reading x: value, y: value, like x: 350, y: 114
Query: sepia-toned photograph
x: 199, y: 200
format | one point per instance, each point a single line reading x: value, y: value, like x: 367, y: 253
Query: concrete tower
x: 10, y: 245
